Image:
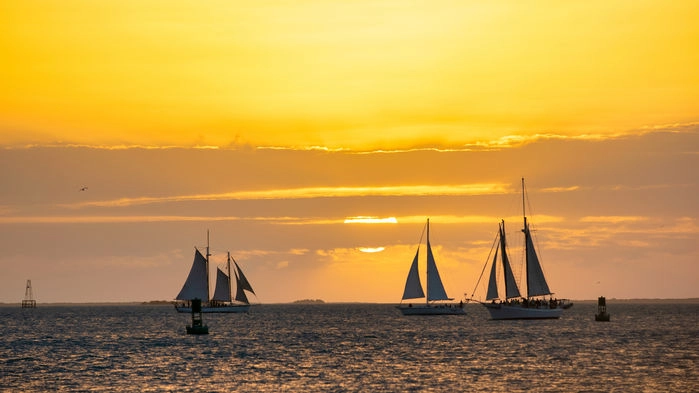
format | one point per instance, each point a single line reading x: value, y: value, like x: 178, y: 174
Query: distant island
x: 309, y: 301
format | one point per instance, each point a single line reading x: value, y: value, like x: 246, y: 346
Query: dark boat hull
x: 422, y: 309
x: 223, y: 309
x: 503, y: 312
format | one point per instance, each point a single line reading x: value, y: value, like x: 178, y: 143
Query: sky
x: 275, y: 125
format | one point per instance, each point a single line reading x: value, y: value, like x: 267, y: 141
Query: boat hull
x: 448, y: 309
x: 227, y: 309
x: 501, y: 312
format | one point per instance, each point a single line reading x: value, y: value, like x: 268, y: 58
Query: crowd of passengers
x: 530, y: 303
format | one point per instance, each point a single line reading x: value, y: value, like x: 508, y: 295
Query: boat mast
x: 208, y: 295
x: 427, y: 272
x: 230, y: 291
x: 502, y: 254
x: 526, y: 243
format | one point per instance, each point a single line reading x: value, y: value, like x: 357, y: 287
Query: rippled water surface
x: 348, y: 347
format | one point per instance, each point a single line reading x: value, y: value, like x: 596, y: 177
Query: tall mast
x: 524, y: 214
x: 502, y: 254
x: 230, y: 281
x: 208, y: 295
x: 427, y: 273
x: 526, y: 243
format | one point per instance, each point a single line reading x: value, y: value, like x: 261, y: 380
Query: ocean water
x: 348, y: 347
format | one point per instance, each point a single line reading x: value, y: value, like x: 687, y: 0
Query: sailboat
x: 513, y: 305
x: 435, y: 288
x: 197, y: 287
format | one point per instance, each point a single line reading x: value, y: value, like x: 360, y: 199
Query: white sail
x: 435, y: 288
x: 196, y: 286
x: 492, y: 282
x: 536, y: 282
x: 222, y: 292
x: 511, y: 289
x: 413, y: 286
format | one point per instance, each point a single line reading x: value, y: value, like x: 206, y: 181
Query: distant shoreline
x: 321, y: 302
x: 615, y: 300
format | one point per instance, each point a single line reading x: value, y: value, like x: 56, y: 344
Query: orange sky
x: 273, y: 123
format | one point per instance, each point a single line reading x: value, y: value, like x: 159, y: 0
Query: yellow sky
x: 360, y: 74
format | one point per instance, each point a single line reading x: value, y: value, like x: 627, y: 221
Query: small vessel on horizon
x: 435, y: 288
x: 513, y: 305
x: 197, y: 287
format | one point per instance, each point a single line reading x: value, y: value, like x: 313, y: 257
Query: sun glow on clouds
x: 371, y: 220
x: 371, y: 250
x: 313, y: 192
x: 560, y: 189
x: 276, y: 220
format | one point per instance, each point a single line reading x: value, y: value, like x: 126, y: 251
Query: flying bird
x: 84, y: 188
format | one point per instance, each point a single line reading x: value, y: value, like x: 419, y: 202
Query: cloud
x: 311, y: 192
x: 612, y: 219
x: 276, y: 220
x: 560, y: 189
x: 110, y: 219
x: 282, y: 264
x: 370, y: 220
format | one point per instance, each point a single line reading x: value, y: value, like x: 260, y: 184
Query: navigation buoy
x: 602, y: 314
x: 197, y: 326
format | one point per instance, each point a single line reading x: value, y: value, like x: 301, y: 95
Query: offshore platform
x: 28, y: 301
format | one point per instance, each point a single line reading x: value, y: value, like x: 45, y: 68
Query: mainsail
x: 511, y: 289
x: 492, y: 282
x: 222, y: 292
x: 413, y: 286
x: 196, y: 285
x: 435, y: 288
x: 536, y: 282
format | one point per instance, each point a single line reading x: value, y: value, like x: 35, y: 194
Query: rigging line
x: 497, y: 236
